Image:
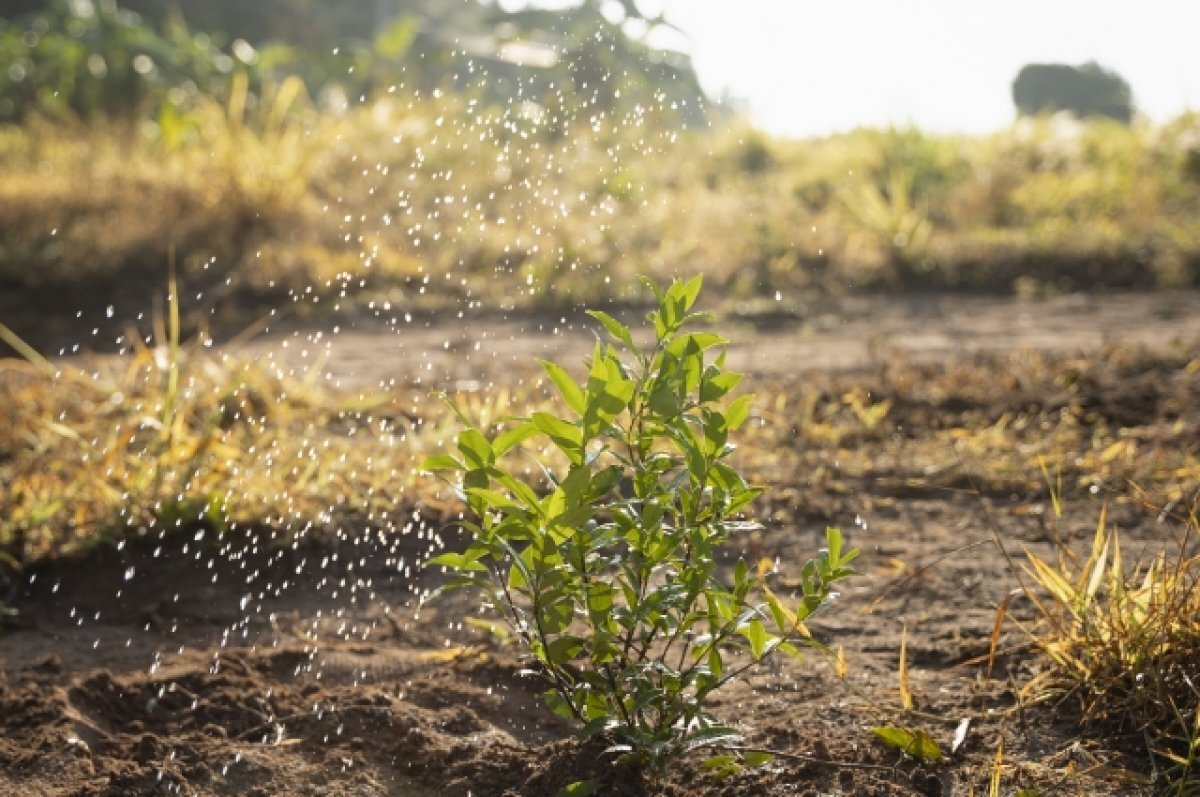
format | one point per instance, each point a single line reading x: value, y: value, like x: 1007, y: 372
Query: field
x: 236, y: 282
x: 269, y: 648
x: 436, y: 203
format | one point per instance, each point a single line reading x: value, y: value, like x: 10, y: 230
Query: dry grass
x: 994, y: 425
x: 1124, y: 644
x: 444, y: 200
x: 97, y: 449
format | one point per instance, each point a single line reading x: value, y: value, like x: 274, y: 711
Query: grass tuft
x: 1124, y: 643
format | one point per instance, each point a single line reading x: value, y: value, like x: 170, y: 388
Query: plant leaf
x: 455, y: 561
x: 615, y: 328
x: 915, y: 743
x: 512, y: 437
x: 441, y: 462
x: 567, y: 436
x: 722, y: 765
x: 757, y: 636
x: 476, y: 448
x: 580, y: 788
x: 571, y: 393
x: 756, y: 758
x: 737, y: 411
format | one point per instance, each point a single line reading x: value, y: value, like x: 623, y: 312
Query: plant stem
x: 808, y: 759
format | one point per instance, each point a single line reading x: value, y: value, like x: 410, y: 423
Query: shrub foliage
x: 610, y: 577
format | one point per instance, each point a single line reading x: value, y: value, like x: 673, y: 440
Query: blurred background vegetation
x: 441, y: 152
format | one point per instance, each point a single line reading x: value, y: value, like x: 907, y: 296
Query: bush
x: 1125, y: 643
x: 95, y: 58
x: 1087, y: 90
x: 611, y: 578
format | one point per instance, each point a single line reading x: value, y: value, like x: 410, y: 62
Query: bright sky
x: 806, y: 67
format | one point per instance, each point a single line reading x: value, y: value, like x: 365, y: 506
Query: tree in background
x: 1087, y: 90
x: 586, y: 53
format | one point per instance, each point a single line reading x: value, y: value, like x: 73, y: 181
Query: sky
x: 811, y: 68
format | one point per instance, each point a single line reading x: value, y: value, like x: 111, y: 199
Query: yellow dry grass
x: 1124, y: 642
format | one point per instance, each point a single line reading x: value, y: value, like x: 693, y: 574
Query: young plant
x: 609, y: 574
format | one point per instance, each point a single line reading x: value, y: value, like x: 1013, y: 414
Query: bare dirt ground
x: 247, y: 667
x: 766, y: 338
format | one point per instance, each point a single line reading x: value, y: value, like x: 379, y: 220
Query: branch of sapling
x: 556, y: 678
x: 617, y: 695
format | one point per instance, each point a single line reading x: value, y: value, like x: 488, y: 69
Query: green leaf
x: 571, y: 394
x: 598, y: 726
x: 493, y: 498
x: 595, y: 706
x: 501, y: 634
x: 915, y: 743
x: 604, y: 481
x: 476, y: 448
x: 694, y: 342
x: 600, y: 602
x: 690, y: 290
x: 653, y: 286
x: 608, y: 394
x: 523, y: 492
x: 716, y: 432
x: 455, y: 561
x: 581, y: 788
x: 833, y: 543
x: 757, y: 636
x: 716, y: 665
x: 442, y: 462
x: 557, y: 704
x: 619, y: 331
x: 655, y: 317
x: 743, y: 497
x: 557, y: 616
x: 517, y: 576
x: 567, y: 497
x: 756, y: 758
x: 512, y: 437
x: 693, y: 368
x: 717, y: 384
x: 737, y: 411
x: 567, y: 436
x: 692, y: 448
x: 564, y: 648
x: 664, y: 401
x: 671, y: 307
x: 722, y: 765
x: 726, y: 477
x: 779, y: 613
x: 794, y: 652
